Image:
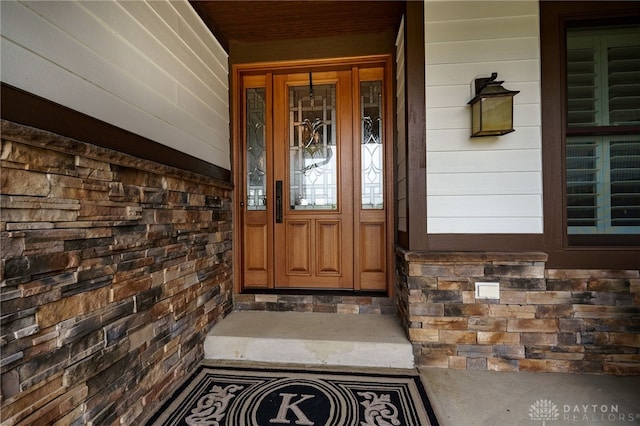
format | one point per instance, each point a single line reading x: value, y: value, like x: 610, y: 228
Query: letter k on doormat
x: 253, y: 397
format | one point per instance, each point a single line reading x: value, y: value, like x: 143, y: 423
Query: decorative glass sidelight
x: 256, y: 150
x: 313, y: 170
x: 371, y: 145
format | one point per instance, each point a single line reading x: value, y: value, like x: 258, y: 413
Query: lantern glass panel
x: 497, y: 114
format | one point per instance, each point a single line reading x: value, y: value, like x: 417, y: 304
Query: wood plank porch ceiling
x: 247, y: 21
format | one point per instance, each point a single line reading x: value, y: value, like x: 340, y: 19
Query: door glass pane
x: 256, y: 150
x: 313, y: 172
x: 371, y: 144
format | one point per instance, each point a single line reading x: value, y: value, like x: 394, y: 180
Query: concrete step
x: 310, y: 338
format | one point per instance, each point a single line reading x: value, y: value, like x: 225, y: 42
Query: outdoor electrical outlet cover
x: 488, y: 290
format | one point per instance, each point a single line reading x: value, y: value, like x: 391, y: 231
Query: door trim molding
x: 306, y: 65
x: 239, y: 71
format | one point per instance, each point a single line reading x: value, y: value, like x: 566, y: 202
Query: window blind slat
x: 581, y: 87
x: 625, y: 182
x: 582, y: 185
x: 624, y: 85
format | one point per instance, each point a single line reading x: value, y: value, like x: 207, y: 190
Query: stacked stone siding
x: 334, y: 304
x: 113, y: 271
x: 579, y: 321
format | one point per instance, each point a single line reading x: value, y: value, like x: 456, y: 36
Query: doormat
x: 253, y: 397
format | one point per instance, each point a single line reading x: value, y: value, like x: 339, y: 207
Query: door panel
x: 297, y: 247
x: 373, y: 254
x: 256, y: 259
x: 372, y: 264
x: 371, y: 231
x: 328, y: 247
x: 311, y: 147
x: 257, y: 215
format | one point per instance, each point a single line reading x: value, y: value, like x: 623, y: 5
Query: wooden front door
x: 314, y: 188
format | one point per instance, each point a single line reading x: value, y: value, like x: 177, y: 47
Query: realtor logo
x: 544, y: 409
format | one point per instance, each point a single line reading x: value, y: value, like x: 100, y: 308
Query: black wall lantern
x: 491, y: 108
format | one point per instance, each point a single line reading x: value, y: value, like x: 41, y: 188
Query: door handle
x: 278, y: 201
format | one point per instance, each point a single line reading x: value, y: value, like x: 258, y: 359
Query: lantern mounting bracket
x: 481, y: 83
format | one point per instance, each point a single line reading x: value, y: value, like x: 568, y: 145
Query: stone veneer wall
x: 578, y: 321
x: 334, y: 304
x: 113, y: 271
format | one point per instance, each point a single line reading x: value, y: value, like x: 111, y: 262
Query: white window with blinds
x: 603, y: 131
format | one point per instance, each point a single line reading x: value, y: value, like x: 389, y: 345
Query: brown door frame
x: 239, y: 71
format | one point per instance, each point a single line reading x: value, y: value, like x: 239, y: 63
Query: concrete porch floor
x: 498, y: 398
x: 310, y: 338
x: 458, y: 397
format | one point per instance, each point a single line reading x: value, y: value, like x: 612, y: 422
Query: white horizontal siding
x: 458, y: 140
x: 489, y: 27
x: 493, y: 206
x: 480, y: 225
x: 467, y: 11
x: 471, y: 162
x: 490, y: 183
x: 472, y: 51
x: 493, y: 184
x: 461, y: 73
x: 150, y: 68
